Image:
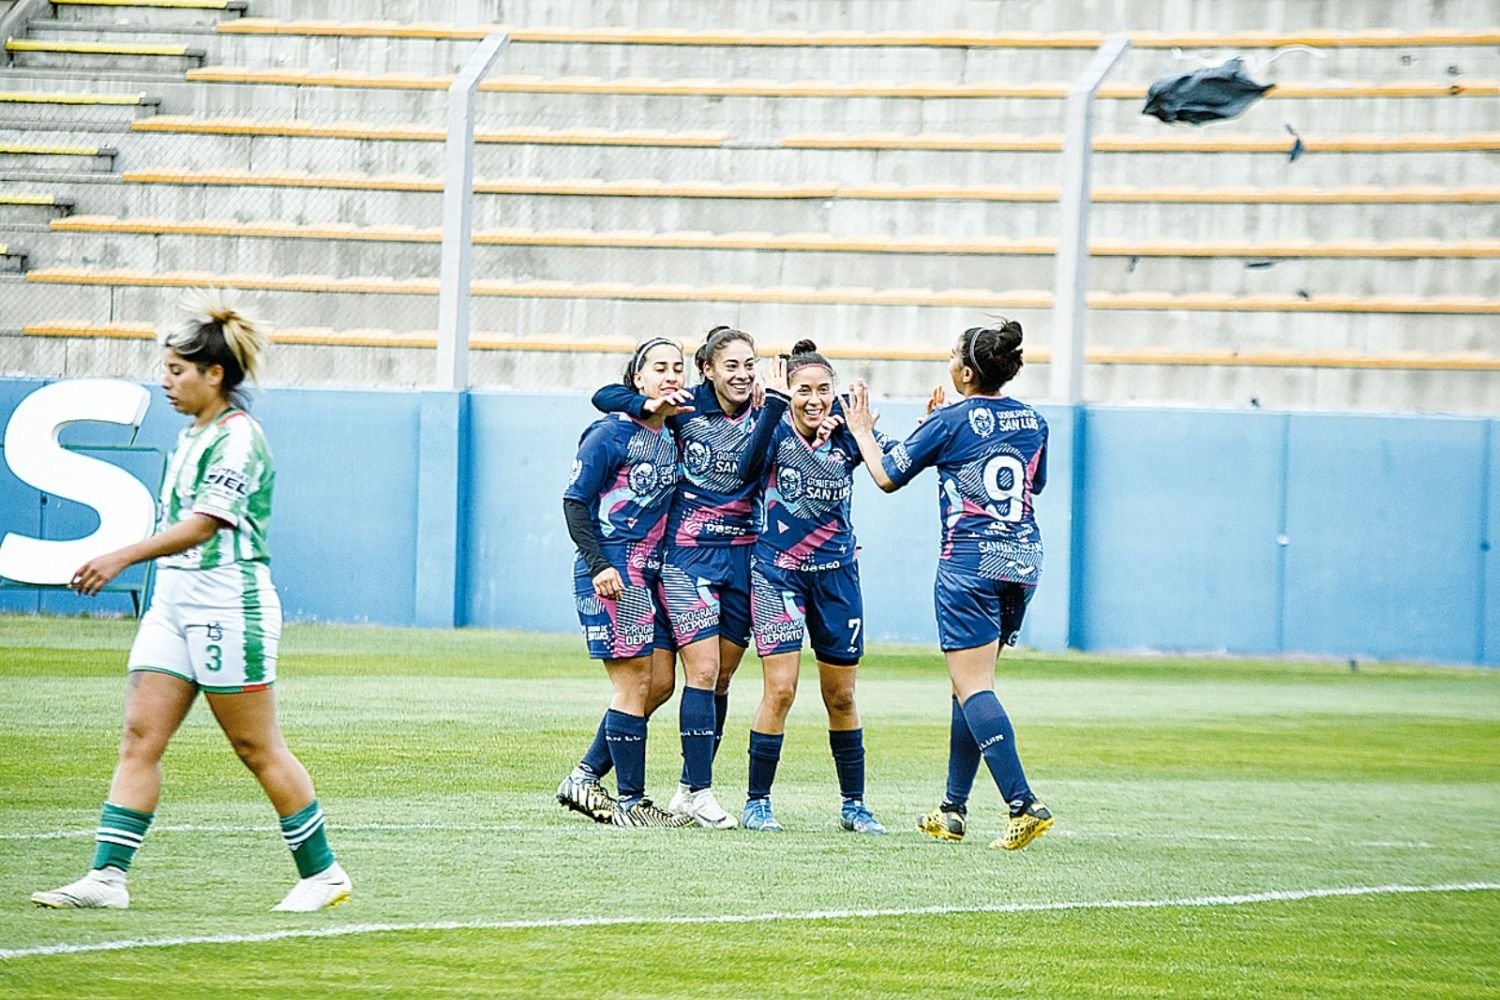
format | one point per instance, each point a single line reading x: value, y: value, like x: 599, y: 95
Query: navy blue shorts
x: 826, y: 606
x: 974, y: 611
x: 623, y: 628
x: 705, y: 591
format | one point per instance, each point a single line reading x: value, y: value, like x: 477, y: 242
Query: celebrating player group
x: 709, y: 515
x: 703, y: 517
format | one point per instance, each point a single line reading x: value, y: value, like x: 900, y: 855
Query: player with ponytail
x: 990, y: 451
x: 705, y: 572
x: 805, y: 578
x: 615, y: 506
x: 214, y: 623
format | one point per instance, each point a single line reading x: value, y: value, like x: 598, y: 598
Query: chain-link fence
x: 877, y: 199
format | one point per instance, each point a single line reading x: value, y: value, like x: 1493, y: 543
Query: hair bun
x: 804, y: 347
x: 1010, y: 336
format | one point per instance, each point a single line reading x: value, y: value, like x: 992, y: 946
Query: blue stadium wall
x: 1247, y: 532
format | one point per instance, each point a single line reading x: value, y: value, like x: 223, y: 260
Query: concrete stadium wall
x: 1246, y: 532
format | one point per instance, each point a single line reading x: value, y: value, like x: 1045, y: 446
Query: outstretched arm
x: 616, y: 398
x: 91, y: 577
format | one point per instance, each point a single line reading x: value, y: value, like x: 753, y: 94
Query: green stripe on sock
x: 118, y: 822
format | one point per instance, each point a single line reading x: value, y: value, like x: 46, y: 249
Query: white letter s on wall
x: 126, y: 510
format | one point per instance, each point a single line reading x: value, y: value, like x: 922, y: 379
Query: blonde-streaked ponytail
x: 218, y: 333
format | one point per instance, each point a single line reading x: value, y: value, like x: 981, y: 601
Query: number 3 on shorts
x: 215, y: 657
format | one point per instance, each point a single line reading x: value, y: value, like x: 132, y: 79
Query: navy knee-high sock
x: 627, y: 746
x: 997, y: 742
x: 721, y: 712
x: 765, y: 754
x: 596, y: 759
x: 696, y: 721
x: 963, y: 760
x: 848, y: 748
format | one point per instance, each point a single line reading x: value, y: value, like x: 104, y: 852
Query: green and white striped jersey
x: 224, y: 470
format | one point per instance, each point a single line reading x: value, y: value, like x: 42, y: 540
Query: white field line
x: 1176, y: 836
x: 338, y: 827
x: 347, y: 930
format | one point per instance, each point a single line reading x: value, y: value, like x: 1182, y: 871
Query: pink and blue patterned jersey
x: 991, y: 457
x: 625, y: 472
x: 715, y: 506
x: 808, y: 489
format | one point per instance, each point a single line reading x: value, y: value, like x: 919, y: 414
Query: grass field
x: 1225, y: 828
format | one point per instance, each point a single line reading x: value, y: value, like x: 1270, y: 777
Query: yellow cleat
x: 943, y: 824
x: 1023, y: 829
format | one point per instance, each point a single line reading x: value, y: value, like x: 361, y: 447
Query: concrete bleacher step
x: 1410, y: 267
x: 752, y: 106
x: 48, y: 109
x: 846, y: 55
x: 961, y: 158
x: 17, y: 155
x: 32, y: 207
x: 1090, y: 19
x: 483, y: 341
x: 1372, y: 375
x: 156, y: 13
x: 85, y: 56
x: 1459, y: 313
x: 12, y: 258
x: 643, y: 203
x: 1461, y: 382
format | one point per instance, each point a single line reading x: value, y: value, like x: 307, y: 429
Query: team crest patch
x: 982, y: 421
x: 789, y: 483
x: 696, y: 456
x: 643, y: 478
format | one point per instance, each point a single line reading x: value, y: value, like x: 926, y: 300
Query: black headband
x: 974, y: 333
x: 645, y: 348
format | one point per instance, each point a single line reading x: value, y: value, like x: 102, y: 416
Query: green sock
x: 119, y: 836
x: 307, y: 839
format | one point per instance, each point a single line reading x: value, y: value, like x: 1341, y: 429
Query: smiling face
x: 660, y: 372
x: 189, y: 389
x: 812, y: 398
x: 732, y: 372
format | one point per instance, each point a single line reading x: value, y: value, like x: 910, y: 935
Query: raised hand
x: 857, y: 413
x: 673, y: 403
x: 935, y: 402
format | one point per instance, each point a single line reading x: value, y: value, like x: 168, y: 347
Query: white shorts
x: 216, y: 628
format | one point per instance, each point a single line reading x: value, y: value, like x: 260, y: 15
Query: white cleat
x: 328, y: 888
x: 702, y: 808
x: 679, y: 804
x: 93, y: 891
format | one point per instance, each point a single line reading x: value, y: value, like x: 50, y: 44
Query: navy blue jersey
x: 625, y: 472
x: 808, y: 489
x: 991, y: 457
x: 714, y: 505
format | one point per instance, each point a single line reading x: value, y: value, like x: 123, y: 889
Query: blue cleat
x: 758, y: 817
x: 856, y: 816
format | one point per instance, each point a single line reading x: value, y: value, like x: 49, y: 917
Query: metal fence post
x: 1069, y: 304
x: 452, y: 372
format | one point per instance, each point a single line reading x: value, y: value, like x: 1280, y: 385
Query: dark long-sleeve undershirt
x: 755, y: 458
x: 580, y: 523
